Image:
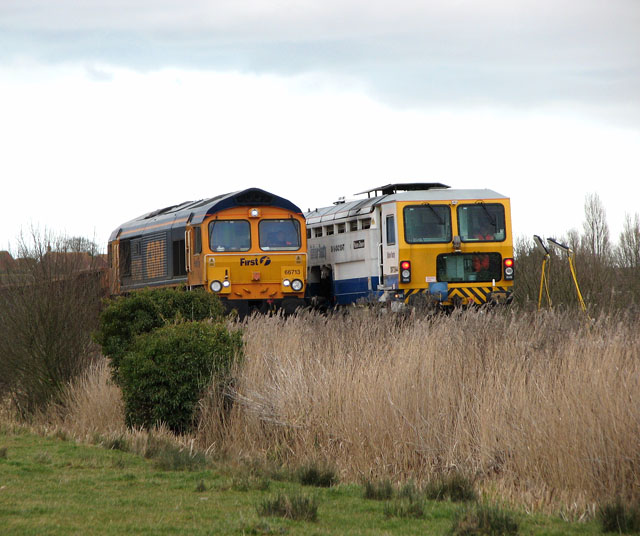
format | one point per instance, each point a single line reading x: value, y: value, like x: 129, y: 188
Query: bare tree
x: 81, y: 244
x: 628, y: 250
x: 596, y: 230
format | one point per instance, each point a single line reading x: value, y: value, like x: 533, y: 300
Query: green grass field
x: 52, y: 486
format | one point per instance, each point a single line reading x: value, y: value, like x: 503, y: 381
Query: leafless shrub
x: 606, y: 273
x: 49, y: 302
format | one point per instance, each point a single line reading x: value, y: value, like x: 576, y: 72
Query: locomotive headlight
x: 286, y: 283
x: 216, y: 286
x: 226, y: 283
x: 296, y: 285
x: 254, y: 213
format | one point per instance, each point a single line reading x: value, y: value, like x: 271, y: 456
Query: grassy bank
x: 539, y: 411
x: 53, y: 486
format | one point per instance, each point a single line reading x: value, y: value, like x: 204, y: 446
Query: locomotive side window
x: 179, y: 258
x: 353, y: 225
x: 317, y: 232
x: 229, y: 235
x: 197, y: 245
x: 125, y: 258
x: 279, y: 235
x: 427, y: 224
x: 391, y: 230
x: 481, y: 222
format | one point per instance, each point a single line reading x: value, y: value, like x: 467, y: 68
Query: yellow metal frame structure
x: 544, y: 274
x: 570, y: 256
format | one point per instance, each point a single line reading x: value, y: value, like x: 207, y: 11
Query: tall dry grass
x: 91, y: 410
x: 540, y: 409
x: 91, y: 406
x: 543, y: 409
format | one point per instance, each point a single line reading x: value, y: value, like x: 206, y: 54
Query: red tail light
x: 508, y: 269
x: 405, y: 271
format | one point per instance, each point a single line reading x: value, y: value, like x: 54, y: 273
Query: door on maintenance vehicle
x: 389, y: 247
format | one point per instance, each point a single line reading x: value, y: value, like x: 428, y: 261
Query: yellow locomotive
x: 249, y: 247
x: 413, y: 242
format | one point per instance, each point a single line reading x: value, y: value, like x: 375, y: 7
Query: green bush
x: 321, y: 476
x: 454, y: 487
x: 176, y: 459
x: 168, y: 369
x: 125, y: 317
x: 484, y: 520
x: 619, y: 517
x: 378, y: 491
x: 293, y: 506
x: 410, y: 507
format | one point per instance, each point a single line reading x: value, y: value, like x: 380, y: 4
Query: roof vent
x: 394, y: 188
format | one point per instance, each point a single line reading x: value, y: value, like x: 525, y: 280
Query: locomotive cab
x: 248, y: 247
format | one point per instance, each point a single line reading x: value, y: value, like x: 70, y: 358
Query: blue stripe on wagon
x: 349, y: 291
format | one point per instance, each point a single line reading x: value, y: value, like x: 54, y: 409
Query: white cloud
x: 113, y: 108
x: 577, y: 53
x: 83, y: 156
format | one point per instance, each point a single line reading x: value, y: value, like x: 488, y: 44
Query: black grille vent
x: 254, y: 197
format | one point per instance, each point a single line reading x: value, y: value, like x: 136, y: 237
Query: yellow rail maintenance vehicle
x: 248, y: 247
x: 413, y: 243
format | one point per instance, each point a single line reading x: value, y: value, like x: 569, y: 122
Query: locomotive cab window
x: 281, y: 235
x: 229, y: 235
x: 427, y: 224
x: 481, y: 222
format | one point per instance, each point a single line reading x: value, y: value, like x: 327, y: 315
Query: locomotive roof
x: 195, y: 212
x: 366, y: 206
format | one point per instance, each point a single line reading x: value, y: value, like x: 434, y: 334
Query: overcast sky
x: 110, y: 109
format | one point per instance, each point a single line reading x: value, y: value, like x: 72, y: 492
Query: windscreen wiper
x: 435, y: 212
x: 491, y: 217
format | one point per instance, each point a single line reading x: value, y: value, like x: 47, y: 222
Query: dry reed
x: 542, y: 409
x: 92, y: 405
x: 92, y: 411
